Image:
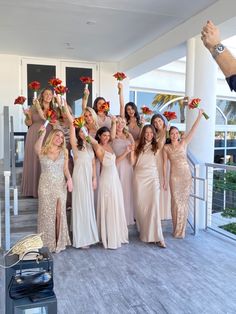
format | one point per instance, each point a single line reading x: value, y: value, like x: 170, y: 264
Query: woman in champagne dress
x: 147, y: 187
x: 34, y: 118
x: 180, y: 176
x: 112, y: 226
x: 84, y: 182
x: 52, y: 222
x: 160, y: 124
x: 121, y: 147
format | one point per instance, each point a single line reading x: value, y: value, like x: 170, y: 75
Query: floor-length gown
x: 180, y: 186
x: 125, y: 171
x: 31, y: 165
x: 146, y: 195
x: 112, y: 226
x: 52, y: 190
x: 83, y: 214
x: 165, y: 197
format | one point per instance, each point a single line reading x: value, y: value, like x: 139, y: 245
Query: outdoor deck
x: 194, y: 275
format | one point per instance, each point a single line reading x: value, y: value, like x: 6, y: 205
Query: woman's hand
x: 69, y: 184
x: 200, y: 113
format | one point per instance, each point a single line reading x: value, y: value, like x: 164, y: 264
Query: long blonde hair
x: 48, y: 144
x: 94, y: 116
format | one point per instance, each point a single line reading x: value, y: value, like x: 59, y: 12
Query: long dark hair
x: 80, y: 142
x: 157, y: 115
x: 95, y: 104
x: 100, y: 132
x: 142, y: 142
x: 171, y: 128
x: 136, y: 114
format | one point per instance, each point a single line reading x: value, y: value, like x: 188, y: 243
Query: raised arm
x: 39, y: 143
x: 193, y: 129
x: 39, y: 109
x: 97, y: 148
x: 67, y: 173
x: 113, y: 127
x: 121, y: 100
x: 73, y: 140
x: 223, y: 57
x: 85, y: 99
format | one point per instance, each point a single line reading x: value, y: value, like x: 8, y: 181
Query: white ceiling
x: 92, y: 30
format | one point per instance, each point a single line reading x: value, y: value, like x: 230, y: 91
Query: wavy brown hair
x: 142, y: 142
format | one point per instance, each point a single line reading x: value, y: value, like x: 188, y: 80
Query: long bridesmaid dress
x: 125, y: 171
x: 31, y: 165
x: 112, y: 226
x: 180, y: 186
x: 83, y: 214
x: 146, y: 195
x: 52, y: 188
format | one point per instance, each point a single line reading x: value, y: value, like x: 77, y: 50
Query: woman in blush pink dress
x: 160, y: 124
x: 180, y: 176
x: 121, y: 145
x: 147, y: 187
x: 34, y: 119
x: 112, y: 226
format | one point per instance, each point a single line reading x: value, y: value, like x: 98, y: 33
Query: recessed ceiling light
x: 91, y: 22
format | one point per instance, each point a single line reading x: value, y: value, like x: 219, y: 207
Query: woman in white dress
x: 112, y: 226
x: 147, y: 187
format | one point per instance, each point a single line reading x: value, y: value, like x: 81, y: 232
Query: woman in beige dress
x: 34, y: 118
x: 52, y: 191
x: 147, y: 187
x: 160, y: 124
x: 180, y: 176
x: 112, y: 226
x: 121, y: 147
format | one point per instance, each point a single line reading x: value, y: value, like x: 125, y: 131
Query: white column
x: 201, y: 79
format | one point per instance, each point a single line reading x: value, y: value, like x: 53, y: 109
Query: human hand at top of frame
x: 201, y: 111
x: 210, y: 35
x: 86, y: 92
x: 120, y: 86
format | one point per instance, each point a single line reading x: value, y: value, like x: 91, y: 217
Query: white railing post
x: 7, y: 175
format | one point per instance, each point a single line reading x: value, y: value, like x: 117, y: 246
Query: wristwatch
x: 218, y: 49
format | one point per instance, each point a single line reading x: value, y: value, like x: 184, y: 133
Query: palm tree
x: 162, y: 99
x: 230, y: 111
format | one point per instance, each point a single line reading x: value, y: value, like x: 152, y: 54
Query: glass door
x: 71, y: 74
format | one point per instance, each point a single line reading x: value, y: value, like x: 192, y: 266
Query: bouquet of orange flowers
x: 120, y: 76
x: 35, y: 86
x: 86, y: 80
x: 146, y: 110
x: 61, y: 90
x: 54, y: 82
x: 20, y: 101
x: 51, y: 117
x: 80, y: 123
x: 170, y: 115
x: 105, y: 107
x: 195, y: 104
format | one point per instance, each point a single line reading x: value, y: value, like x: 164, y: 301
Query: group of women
x: 122, y: 168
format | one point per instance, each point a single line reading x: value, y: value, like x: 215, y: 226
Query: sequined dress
x: 180, y: 186
x: 112, y: 226
x: 147, y: 196
x: 51, y: 191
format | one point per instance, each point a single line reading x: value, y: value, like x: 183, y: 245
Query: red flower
x: 170, y: 115
x: 54, y: 82
x: 79, y: 122
x: 86, y: 79
x: 51, y: 116
x: 19, y: 100
x: 120, y: 76
x: 35, y: 85
x: 60, y: 89
x: 146, y: 110
x: 105, y: 107
x: 195, y: 104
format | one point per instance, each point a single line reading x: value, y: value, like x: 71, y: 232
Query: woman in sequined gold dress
x: 160, y: 124
x: 147, y: 187
x: 180, y: 176
x: 112, y: 226
x: 52, y: 222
